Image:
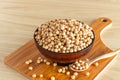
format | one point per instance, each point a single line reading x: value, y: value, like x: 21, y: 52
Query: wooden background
x: 19, y: 18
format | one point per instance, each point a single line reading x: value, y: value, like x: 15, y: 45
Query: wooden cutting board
x: 17, y: 59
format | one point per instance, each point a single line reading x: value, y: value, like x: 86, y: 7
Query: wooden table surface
x: 19, y: 18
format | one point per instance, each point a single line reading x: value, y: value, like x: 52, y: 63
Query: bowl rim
x: 79, y: 51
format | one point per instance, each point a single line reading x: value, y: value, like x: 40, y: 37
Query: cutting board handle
x: 99, y: 24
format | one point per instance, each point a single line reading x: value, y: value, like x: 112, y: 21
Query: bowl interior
x: 69, y: 52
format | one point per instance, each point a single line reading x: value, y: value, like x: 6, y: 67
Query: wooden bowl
x: 63, y: 58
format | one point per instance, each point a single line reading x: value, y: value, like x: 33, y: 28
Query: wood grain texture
x: 29, y: 51
x: 18, y: 20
